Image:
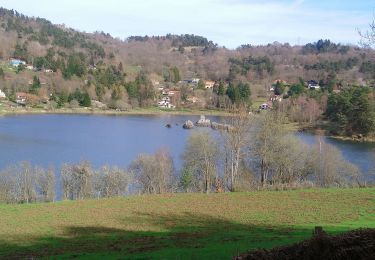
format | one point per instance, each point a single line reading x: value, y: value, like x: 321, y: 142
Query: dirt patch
x: 357, y: 244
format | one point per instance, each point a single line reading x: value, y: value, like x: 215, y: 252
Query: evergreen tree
x: 2, y: 74
x: 352, y: 111
x: 85, y: 100
x: 221, y: 89
x: 35, y: 86
x: 201, y: 84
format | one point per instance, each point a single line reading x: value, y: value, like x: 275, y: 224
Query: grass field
x: 179, y: 226
x: 257, y: 102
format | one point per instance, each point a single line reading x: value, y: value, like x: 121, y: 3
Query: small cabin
x: 312, y: 84
x: 21, y: 98
x: 209, y: 84
x: 264, y: 106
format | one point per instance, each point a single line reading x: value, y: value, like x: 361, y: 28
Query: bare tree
x: 200, y: 156
x: 77, y: 181
x: 46, y: 183
x: 330, y: 168
x: 268, y: 132
x: 111, y: 182
x: 153, y: 173
x: 24, y: 183
x: 368, y: 37
x: 289, y: 161
x: 236, y: 145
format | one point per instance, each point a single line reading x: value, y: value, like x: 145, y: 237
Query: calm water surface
x: 50, y: 140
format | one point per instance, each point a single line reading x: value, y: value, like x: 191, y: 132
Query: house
x: 21, y: 98
x: 312, y: 84
x: 155, y: 83
x: 264, y: 106
x: 165, y: 104
x: 168, y: 99
x: 274, y: 98
x: 172, y: 93
x: 279, y: 81
x: 190, y: 81
x: 30, y: 67
x: 2, y: 94
x: 194, y: 80
x: 16, y: 62
x: 165, y: 91
x: 209, y: 84
x: 48, y: 70
x: 192, y: 99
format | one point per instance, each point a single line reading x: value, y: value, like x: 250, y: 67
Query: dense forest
x: 67, y: 68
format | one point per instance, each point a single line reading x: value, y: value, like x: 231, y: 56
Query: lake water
x: 50, y: 140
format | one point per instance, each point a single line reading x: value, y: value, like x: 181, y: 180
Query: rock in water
x: 203, y: 121
x: 188, y: 125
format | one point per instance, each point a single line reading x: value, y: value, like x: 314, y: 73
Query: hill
x: 182, y: 226
x: 129, y: 73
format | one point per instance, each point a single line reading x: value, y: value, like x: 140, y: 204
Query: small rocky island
x: 205, y: 122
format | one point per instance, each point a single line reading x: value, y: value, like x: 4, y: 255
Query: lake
x: 50, y: 140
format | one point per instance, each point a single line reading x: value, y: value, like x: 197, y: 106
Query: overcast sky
x: 229, y: 23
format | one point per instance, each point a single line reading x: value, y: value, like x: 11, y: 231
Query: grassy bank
x: 179, y: 226
x: 140, y: 111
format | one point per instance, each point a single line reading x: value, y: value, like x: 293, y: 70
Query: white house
x: 17, y: 62
x: 312, y: 84
x: 165, y: 104
x: 195, y: 80
x: 2, y: 94
x: 21, y: 98
x: 264, y: 106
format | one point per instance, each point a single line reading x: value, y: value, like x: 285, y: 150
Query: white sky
x: 229, y: 23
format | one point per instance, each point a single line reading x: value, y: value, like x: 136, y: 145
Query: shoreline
x: 319, y: 131
x: 90, y: 111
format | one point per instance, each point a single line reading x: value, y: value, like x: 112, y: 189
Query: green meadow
x: 179, y: 226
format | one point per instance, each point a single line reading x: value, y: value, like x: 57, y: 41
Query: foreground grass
x: 179, y: 226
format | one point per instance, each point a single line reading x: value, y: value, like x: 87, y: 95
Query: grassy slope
x: 180, y: 226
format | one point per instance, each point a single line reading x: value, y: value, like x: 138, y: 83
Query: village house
x: 21, y: 98
x: 165, y: 104
x: 274, y: 98
x: 173, y: 93
x: 16, y: 62
x: 312, y: 84
x: 209, y: 84
x: 169, y: 99
x: 165, y: 91
x: 280, y: 81
x: 195, y: 80
x: 30, y: 67
x: 2, y: 94
x: 192, y: 99
x: 264, y: 106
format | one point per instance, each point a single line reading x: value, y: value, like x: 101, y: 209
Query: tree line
x: 256, y: 152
